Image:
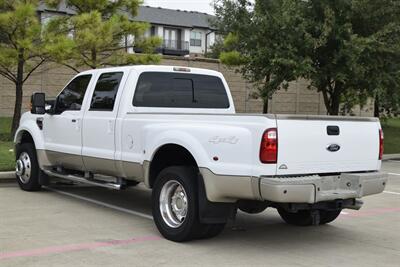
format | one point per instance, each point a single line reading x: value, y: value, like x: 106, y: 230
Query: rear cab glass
x: 179, y: 90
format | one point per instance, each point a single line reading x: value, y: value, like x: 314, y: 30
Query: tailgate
x: 322, y: 144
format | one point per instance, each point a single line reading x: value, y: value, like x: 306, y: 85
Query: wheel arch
x: 166, y: 155
x: 29, y: 133
x: 23, y: 136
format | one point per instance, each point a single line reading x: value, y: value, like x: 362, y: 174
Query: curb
x: 7, y: 177
x: 391, y: 156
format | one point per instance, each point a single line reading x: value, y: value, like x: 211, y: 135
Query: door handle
x: 77, y: 124
x: 110, y: 129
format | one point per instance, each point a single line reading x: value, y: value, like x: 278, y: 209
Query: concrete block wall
x: 297, y: 99
x: 49, y: 78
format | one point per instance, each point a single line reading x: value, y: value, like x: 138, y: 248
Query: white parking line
x: 392, y: 173
x: 140, y: 214
x: 391, y: 192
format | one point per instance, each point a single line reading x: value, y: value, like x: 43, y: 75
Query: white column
x: 130, y: 38
x: 160, y: 31
x: 211, y: 39
x: 186, y: 35
x: 186, y: 38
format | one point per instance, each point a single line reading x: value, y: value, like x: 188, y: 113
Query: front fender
x: 28, y: 124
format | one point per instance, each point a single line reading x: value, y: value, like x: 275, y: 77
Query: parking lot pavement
x: 86, y: 226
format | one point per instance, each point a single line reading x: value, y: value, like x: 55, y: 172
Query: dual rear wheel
x: 305, y: 218
x: 175, y: 206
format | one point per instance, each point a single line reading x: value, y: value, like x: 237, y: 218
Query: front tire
x: 304, y: 218
x: 27, y: 168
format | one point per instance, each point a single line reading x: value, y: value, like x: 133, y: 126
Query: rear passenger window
x: 178, y: 90
x: 105, y: 92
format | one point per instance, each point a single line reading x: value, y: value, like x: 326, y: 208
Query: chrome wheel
x: 23, y: 167
x: 173, y: 204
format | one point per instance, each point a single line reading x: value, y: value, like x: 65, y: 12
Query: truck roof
x: 157, y: 68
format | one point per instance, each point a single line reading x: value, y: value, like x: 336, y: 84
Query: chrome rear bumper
x: 315, y: 188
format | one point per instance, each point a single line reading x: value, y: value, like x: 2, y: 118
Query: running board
x: 83, y: 180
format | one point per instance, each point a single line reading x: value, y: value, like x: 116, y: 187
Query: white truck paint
x: 313, y: 165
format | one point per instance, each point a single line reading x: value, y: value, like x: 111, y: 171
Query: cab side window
x: 105, y: 92
x: 71, y: 97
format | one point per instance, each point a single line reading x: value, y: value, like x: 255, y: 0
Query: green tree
x: 21, y: 47
x: 348, y: 50
x: 379, y: 21
x: 98, y: 34
x: 355, y: 51
x: 216, y: 49
x: 262, y: 42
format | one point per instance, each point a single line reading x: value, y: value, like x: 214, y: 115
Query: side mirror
x: 38, y: 103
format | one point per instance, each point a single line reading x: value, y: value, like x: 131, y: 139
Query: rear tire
x: 304, y: 218
x: 211, y: 230
x: 27, y: 167
x: 252, y: 206
x: 166, y: 204
x: 174, y: 204
x: 328, y: 216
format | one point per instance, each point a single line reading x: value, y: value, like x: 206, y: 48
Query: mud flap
x: 43, y: 178
x: 213, y: 212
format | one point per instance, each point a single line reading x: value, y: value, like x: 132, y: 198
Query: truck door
x: 98, y: 136
x: 62, y: 130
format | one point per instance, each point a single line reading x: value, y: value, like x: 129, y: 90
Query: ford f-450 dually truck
x: 175, y: 129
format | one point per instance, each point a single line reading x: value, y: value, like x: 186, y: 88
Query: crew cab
x: 175, y: 129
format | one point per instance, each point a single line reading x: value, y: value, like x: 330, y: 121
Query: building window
x: 170, y: 38
x: 195, y: 38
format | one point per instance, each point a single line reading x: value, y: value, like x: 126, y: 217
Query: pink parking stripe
x: 74, y: 247
x: 371, y: 212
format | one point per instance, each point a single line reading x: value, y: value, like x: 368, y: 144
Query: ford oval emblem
x: 333, y: 147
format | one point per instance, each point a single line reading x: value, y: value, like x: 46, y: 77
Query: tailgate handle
x: 333, y: 130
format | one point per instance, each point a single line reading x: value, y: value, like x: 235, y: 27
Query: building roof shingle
x: 172, y: 17
x: 154, y: 15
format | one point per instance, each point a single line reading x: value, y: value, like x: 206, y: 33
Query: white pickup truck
x: 175, y: 129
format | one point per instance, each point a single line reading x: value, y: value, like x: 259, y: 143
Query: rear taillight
x: 269, y: 146
x: 380, y: 144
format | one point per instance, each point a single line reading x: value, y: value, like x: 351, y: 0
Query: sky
x: 190, y: 5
